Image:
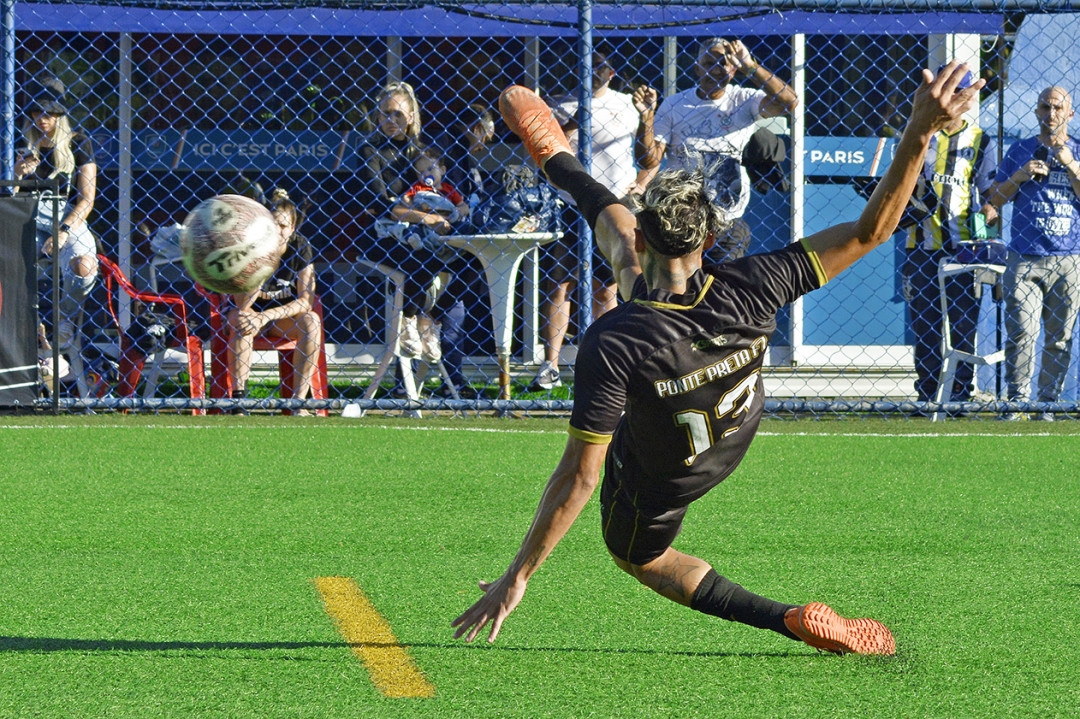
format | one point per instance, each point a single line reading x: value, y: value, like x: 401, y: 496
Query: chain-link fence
x: 376, y: 124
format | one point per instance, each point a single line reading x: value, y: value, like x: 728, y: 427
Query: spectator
x: 710, y: 125
x: 282, y: 307
x: 467, y: 144
x: 429, y: 194
x: 55, y: 150
x: 386, y: 172
x: 958, y: 170
x: 1041, y: 176
x: 614, y: 125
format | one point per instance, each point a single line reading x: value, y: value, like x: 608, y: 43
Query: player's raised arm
x: 567, y: 491
x: 936, y: 105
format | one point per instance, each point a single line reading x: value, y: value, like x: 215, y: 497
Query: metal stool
x: 982, y: 274
x: 395, y: 301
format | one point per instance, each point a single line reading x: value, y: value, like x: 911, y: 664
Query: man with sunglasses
x: 710, y: 125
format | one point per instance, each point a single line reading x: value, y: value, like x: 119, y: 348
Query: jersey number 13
x: 734, y: 406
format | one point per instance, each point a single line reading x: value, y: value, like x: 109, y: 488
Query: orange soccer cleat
x: 822, y: 628
x: 531, y: 120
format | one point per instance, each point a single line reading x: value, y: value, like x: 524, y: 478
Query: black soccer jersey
x: 674, y: 381
x: 83, y: 150
x: 283, y: 286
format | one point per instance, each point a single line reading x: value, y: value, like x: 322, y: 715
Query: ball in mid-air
x: 230, y: 244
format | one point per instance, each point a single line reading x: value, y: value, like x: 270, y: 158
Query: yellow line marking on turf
x: 392, y: 670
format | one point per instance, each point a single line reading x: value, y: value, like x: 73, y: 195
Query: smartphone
x: 980, y: 230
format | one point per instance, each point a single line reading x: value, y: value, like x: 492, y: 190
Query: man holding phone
x: 1041, y: 176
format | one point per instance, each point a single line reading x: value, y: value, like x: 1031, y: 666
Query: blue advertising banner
x: 232, y: 150
x: 848, y: 156
x: 328, y: 151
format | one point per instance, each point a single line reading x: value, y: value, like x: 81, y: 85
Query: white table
x: 501, y: 256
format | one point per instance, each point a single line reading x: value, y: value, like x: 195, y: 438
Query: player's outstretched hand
x: 500, y: 598
x: 937, y: 103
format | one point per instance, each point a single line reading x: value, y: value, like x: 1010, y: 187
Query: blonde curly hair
x: 677, y: 213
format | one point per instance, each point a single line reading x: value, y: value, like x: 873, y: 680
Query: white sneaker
x: 431, y: 340
x: 547, y: 378
x: 410, y: 345
x: 1014, y: 417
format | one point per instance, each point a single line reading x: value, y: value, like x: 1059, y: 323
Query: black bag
x: 150, y: 331
x: 524, y: 203
x: 763, y: 157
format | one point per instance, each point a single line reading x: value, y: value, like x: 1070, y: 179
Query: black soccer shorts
x: 635, y: 529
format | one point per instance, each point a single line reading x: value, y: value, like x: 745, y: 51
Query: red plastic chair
x: 132, y: 357
x: 221, y: 379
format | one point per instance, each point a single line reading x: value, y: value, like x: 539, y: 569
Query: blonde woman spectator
x: 387, y: 172
x: 54, y: 150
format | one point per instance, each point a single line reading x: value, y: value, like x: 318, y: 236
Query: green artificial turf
x: 163, y: 566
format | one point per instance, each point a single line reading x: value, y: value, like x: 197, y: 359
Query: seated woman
x: 282, y: 307
x: 386, y: 173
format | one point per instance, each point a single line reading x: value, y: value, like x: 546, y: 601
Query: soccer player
x: 669, y: 391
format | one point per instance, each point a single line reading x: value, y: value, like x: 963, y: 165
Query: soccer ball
x: 230, y: 244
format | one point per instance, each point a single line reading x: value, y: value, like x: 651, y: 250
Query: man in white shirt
x: 709, y: 125
x: 614, y: 125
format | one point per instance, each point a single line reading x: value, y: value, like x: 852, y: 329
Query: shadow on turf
x: 52, y: 644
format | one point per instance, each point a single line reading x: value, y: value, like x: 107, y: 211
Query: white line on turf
x: 499, y: 430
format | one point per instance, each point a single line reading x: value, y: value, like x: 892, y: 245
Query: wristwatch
x: 65, y: 227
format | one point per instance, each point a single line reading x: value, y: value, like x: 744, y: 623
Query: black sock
x: 723, y: 598
x: 566, y: 173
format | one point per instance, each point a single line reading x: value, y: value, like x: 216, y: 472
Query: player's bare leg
x: 613, y: 224
x: 673, y: 575
x: 692, y: 582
